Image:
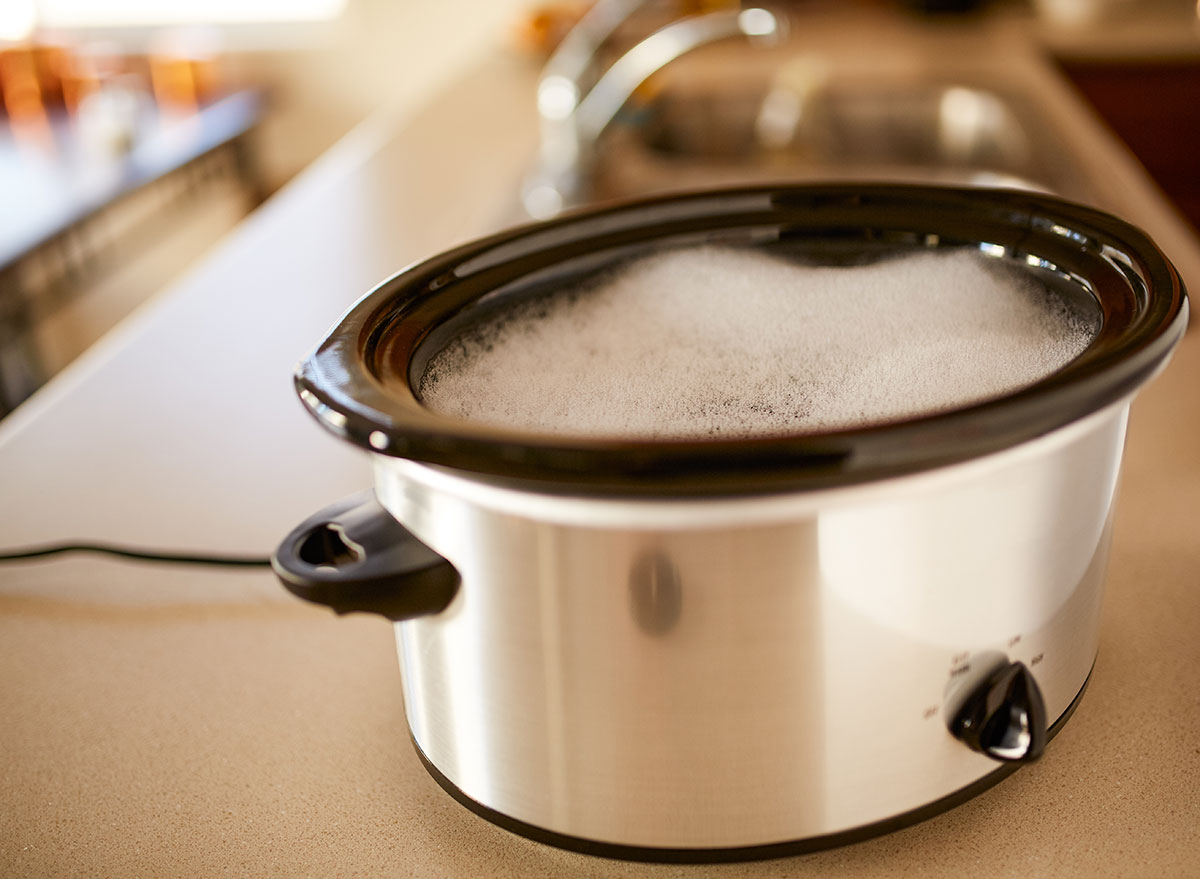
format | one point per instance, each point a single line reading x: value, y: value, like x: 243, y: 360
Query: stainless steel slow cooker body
x: 692, y: 650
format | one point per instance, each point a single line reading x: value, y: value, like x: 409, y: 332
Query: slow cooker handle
x: 354, y: 556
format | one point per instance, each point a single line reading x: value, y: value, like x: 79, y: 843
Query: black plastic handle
x: 354, y: 556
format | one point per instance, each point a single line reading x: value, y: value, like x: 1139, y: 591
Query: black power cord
x: 141, y: 555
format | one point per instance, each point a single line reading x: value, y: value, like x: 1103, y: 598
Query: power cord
x: 136, y: 554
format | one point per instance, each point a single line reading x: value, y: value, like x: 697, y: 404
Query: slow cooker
x: 736, y: 648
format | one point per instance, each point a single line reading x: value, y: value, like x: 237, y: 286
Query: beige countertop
x: 173, y: 721
x: 1116, y: 31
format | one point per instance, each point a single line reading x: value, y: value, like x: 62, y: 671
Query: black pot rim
x: 357, y: 382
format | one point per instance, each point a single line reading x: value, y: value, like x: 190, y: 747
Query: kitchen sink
x: 801, y: 124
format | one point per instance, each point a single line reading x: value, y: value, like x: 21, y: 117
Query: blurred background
x: 135, y: 134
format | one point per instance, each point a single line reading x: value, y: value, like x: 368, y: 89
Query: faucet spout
x: 569, y: 135
x: 560, y: 86
x: 600, y: 106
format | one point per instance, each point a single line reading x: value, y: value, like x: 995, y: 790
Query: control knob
x: 1003, y: 715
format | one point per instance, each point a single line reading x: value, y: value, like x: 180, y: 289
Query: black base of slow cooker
x: 742, y: 853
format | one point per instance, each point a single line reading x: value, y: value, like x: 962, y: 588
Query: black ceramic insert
x: 361, y: 381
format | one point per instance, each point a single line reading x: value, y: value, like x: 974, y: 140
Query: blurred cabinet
x: 1154, y: 106
x: 85, y: 237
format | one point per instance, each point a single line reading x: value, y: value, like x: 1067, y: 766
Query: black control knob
x: 1003, y: 716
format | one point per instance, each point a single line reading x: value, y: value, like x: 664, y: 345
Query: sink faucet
x: 561, y: 84
x: 572, y: 121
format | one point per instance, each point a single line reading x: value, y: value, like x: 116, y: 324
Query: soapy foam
x: 729, y: 343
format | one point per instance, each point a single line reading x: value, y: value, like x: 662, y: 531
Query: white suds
x: 719, y: 342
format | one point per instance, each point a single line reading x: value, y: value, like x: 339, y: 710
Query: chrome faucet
x: 560, y: 86
x: 572, y: 120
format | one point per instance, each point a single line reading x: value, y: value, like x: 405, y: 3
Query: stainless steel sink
x: 690, y: 106
x: 801, y: 124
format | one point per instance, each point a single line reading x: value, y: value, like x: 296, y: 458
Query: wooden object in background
x: 1151, y: 105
